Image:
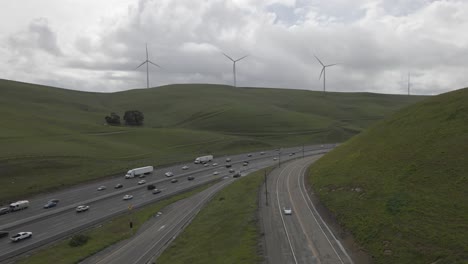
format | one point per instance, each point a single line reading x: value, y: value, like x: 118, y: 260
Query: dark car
x: 151, y: 187
x: 118, y: 186
x: 237, y: 175
x: 50, y: 204
x: 190, y: 178
x: 54, y: 200
x: 228, y: 165
x: 4, y: 210
x: 174, y: 180
x: 4, y: 234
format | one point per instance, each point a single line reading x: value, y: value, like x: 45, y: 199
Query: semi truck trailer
x: 138, y: 172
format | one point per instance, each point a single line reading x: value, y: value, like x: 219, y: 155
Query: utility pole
x: 266, y: 188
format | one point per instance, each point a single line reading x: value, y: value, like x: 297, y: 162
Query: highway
x: 49, y: 225
x: 302, y: 237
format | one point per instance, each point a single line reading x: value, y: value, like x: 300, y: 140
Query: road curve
x: 302, y: 237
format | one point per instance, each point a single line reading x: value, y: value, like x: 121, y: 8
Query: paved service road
x: 302, y: 237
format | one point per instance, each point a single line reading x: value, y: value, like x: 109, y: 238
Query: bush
x: 78, y: 240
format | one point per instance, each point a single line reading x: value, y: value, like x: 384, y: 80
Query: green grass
x: 412, y: 168
x: 53, y: 137
x: 102, y: 236
x: 225, y: 231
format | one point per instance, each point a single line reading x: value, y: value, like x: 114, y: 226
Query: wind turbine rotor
x: 319, y: 61
x: 140, y: 65
x: 241, y: 58
x: 228, y: 57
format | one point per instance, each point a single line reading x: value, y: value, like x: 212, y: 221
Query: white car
x: 185, y: 167
x: 21, y: 236
x: 262, y: 153
x: 206, y: 165
x: 275, y: 158
x: 215, y: 173
x: 101, y: 188
x: 82, y: 208
x: 127, y: 197
x: 169, y: 174
x: 141, y: 182
x: 215, y: 164
x: 287, y: 211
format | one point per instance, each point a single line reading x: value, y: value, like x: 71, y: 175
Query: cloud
x: 376, y: 42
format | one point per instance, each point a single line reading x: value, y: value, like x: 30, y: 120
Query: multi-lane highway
x: 302, y: 236
x: 49, y: 225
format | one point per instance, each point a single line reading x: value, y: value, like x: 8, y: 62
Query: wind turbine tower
x: 409, y: 82
x: 147, y: 61
x: 323, y: 71
x: 234, y: 66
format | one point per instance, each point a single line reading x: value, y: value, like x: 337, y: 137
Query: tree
x: 134, y: 118
x: 113, y: 119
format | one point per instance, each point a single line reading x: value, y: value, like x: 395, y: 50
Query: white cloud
x: 96, y: 46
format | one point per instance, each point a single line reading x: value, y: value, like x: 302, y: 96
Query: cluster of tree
x: 131, y: 118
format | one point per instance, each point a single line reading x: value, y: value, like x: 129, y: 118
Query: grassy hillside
x: 54, y: 137
x: 401, y: 187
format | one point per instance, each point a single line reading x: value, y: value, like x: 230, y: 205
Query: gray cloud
x: 376, y: 43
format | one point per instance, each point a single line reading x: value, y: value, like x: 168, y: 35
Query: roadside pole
x: 266, y: 187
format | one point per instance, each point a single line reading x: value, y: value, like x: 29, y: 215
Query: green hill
x: 411, y: 175
x: 54, y: 137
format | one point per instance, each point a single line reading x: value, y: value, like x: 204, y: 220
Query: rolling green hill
x: 54, y: 137
x: 401, y: 187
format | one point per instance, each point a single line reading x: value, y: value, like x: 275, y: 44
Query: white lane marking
x: 162, y: 227
x: 282, y: 218
x: 301, y: 188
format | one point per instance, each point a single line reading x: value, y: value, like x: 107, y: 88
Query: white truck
x: 203, y: 159
x: 19, y: 205
x: 139, y: 172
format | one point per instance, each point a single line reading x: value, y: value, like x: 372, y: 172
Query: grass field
x: 410, y: 171
x: 225, y: 231
x: 103, y: 236
x: 51, y: 138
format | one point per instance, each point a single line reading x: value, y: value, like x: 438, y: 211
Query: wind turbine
x: 409, y: 82
x: 323, y: 70
x: 234, y: 66
x: 147, y: 69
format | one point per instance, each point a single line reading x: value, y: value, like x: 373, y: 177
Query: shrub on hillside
x: 113, y: 119
x: 78, y: 240
x: 134, y: 118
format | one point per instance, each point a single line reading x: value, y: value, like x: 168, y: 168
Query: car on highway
x: 249, y: 155
x: 190, y: 178
x: 228, y: 159
x: 142, y: 176
x: 237, y: 175
x: 20, y: 236
x: 275, y: 158
x: 82, y: 208
x: 118, y: 186
x: 169, y: 174
x: 206, y: 165
x: 4, y: 210
x: 150, y: 187
x: 156, y: 191
x: 287, y: 211
x: 246, y: 163
x: 262, y: 153
x: 50, y: 204
x: 101, y: 188
x: 228, y: 165
x: 215, y: 173
x: 231, y: 170
x: 141, y: 182
x: 127, y: 197
x: 185, y: 167
x: 215, y: 164
x: 174, y: 180
x: 4, y: 234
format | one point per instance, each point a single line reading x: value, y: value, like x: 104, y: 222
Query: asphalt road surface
x: 49, y: 225
x: 302, y: 237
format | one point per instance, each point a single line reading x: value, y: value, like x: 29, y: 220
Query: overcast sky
x: 95, y: 45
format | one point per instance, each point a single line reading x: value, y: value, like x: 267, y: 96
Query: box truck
x: 203, y: 159
x: 139, y: 172
x: 19, y: 205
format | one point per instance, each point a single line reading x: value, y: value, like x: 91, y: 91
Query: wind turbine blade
x: 154, y: 64
x: 228, y: 56
x: 146, y: 51
x: 140, y: 65
x: 241, y: 58
x: 319, y: 61
x: 323, y: 69
x: 331, y: 65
